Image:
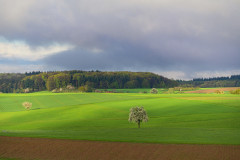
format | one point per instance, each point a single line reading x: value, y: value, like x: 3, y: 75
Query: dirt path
x: 56, y: 149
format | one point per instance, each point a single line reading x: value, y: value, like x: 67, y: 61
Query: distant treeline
x: 232, y: 81
x: 9, y: 82
x: 232, y: 77
x: 39, y: 81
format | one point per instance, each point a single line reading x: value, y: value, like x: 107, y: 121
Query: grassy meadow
x: 173, y: 118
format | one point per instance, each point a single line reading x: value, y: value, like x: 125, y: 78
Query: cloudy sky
x: 175, y: 38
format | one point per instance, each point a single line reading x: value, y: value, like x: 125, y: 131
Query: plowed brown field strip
x: 213, y: 90
x: 57, y: 149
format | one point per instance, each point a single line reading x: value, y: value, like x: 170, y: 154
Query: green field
x: 173, y: 118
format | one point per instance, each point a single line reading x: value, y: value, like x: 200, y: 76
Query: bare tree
x: 27, y: 105
x: 138, y: 115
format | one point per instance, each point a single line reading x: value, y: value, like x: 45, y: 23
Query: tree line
x: 232, y: 81
x: 232, y: 77
x: 10, y: 82
x: 39, y: 81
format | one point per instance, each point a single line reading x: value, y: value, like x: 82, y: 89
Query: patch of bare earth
x: 213, y: 90
x: 57, y: 149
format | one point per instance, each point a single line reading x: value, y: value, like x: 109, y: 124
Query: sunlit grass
x: 173, y: 118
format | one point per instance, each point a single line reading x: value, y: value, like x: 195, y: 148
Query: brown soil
x: 213, y: 90
x: 41, y: 148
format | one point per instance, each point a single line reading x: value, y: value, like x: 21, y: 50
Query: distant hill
x: 39, y: 81
x: 232, y: 81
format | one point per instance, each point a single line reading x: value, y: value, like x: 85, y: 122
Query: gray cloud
x: 159, y: 36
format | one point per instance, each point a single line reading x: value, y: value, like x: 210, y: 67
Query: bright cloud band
x: 21, y: 50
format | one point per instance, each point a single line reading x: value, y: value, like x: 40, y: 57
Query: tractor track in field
x: 60, y: 149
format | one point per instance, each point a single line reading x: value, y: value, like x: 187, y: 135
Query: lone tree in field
x: 138, y: 115
x: 154, y: 91
x: 27, y: 105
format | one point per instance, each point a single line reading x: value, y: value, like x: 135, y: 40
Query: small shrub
x: 171, y: 90
x: 27, y: 105
x: 27, y: 90
x: 237, y: 91
x: 219, y: 92
x: 70, y: 87
x: 55, y: 90
x: 154, y: 91
x: 82, y: 89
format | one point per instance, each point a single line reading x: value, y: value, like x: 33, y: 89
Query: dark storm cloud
x: 120, y: 57
x: 158, y: 36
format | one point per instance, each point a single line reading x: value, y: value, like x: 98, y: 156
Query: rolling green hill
x: 173, y: 118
